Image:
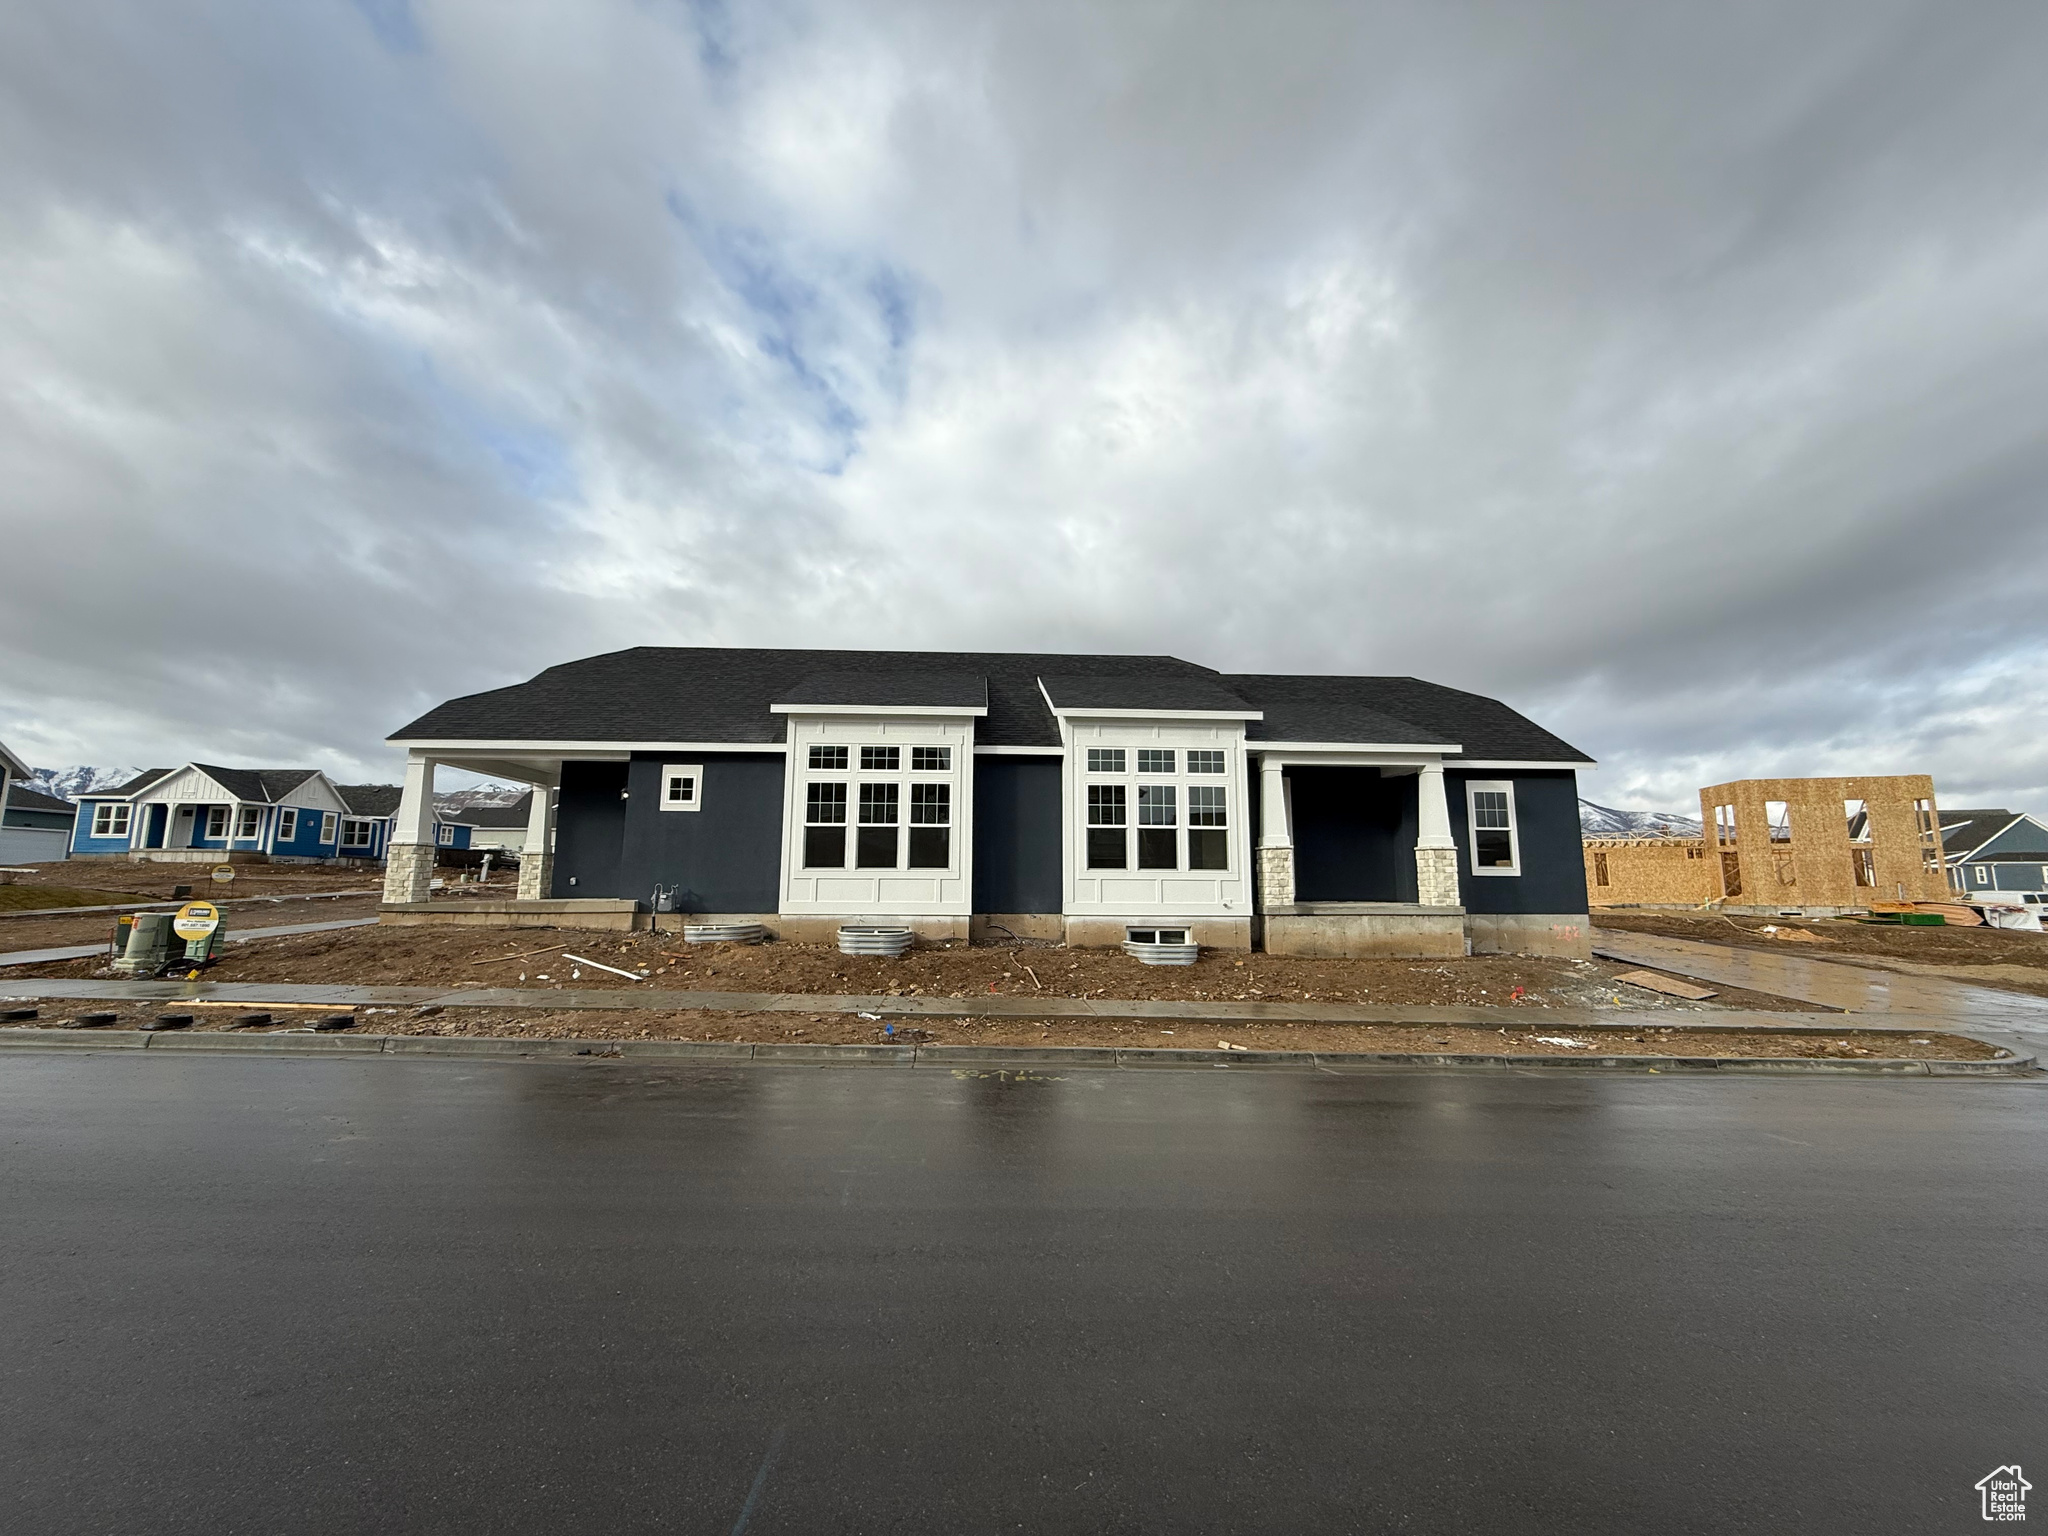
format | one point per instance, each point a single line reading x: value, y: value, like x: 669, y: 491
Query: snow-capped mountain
x: 1605, y: 821
x: 70, y: 783
x: 483, y: 794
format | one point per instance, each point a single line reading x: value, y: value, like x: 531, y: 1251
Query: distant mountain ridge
x: 1606, y: 821
x: 70, y: 783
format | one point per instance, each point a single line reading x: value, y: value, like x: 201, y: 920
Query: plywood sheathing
x: 1816, y: 865
x: 1649, y: 872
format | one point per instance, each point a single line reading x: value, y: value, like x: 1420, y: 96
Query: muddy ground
x: 80, y: 882
x: 245, y: 909
x: 829, y: 1029
x: 540, y: 958
x: 1991, y: 957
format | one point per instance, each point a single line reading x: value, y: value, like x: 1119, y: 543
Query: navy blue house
x: 1076, y: 798
x: 1992, y: 850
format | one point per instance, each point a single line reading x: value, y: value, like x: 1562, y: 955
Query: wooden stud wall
x: 1816, y: 865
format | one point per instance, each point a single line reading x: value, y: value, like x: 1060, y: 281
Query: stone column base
x: 1276, y: 878
x: 408, y: 872
x: 536, y: 874
x: 1436, y: 877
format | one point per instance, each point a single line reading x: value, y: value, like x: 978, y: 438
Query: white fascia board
x: 958, y: 710
x: 1561, y: 762
x: 11, y: 766
x: 1020, y: 751
x: 596, y: 751
x: 1289, y: 748
x: 1160, y: 714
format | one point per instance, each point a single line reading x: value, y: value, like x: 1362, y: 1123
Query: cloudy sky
x: 1678, y: 373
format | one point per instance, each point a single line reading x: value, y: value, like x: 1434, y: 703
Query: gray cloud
x: 1673, y: 372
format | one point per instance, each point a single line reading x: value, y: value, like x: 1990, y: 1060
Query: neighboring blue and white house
x: 204, y: 813
x: 498, y: 828
x: 975, y: 795
x: 1995, y: 850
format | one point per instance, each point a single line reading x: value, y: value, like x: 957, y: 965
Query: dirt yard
x: 1991, y: 957
x: 1168, y: 1034
x: 540, y: 958
x: 97, y: 882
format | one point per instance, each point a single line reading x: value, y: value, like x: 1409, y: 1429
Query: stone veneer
x: 536, y: 874
x: 408, y: 872
x: 1436, y: 877
x: 1276, y: 878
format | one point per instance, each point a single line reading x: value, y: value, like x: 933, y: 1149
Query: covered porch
x: 1356, y: 856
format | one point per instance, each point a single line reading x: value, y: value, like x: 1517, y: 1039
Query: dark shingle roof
x: 21, y: 798
x: 1195, y: 694
x: 1962, y: 831
x: 928, y: 690
x: 134, y: 786
x: 671, y: 694
x: 661, y: 694
x: 517, y: 814
x: 265, y: 786
x: 1402, y: 710
x: 370, y: 799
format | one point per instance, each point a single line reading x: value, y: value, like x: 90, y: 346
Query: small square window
x: 824, y: 847
x: 1158, y: 848
x: 1205, y: 762
x: 1206, y: 806
x: 1156, y: 805
x: 825, y: 804
x: 878, y: 804
x: 1152, y: 760
x: 828, y: 758
x: 682, y: 786
x: 875, y: 848
x: 1208, y: 848
x: 1106, y: 805
x: 930, y: 847
x: 1105, y: 759
x: 881, y: 759
x: 931, y: 759
x: 931, y: 805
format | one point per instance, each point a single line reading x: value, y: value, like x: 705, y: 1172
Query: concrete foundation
x: 1006, y: 927
x: 1565, y: 935
x: 614, y: 916
x: 187, y: 856
x: 408, y: 873
x: 1367, y: 929
x: 1209, y: 932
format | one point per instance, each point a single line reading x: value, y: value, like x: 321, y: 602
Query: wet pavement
x: 388, y: 1295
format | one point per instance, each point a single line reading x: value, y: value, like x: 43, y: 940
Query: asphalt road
x: 276, y: 1295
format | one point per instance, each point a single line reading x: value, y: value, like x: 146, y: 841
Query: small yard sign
x: 195, y: 920
x: 224, y: 873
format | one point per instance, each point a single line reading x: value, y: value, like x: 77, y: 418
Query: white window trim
x: 330, y: 826
x: 227, y: 822
x: 1143, y: 896
x: 694, y: 772
x: 287, y: 824
x: 1474, y: 788
x: 444, y: 835
x: 119, y: 819
x: 351, y: 825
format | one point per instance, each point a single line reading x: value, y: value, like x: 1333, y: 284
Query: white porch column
x: 409, y: 861
x: 1276, y: 838
x: 1436, y: 852
x: 537, y: 861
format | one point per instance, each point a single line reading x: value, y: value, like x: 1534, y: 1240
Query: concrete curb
x: 969, y: 1056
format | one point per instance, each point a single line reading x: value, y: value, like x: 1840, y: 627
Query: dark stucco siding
x: 1354, y: 834
x: 1553, y: 877
x: 590, y: 824
x: 1017, y: 834
x: 726, y: 857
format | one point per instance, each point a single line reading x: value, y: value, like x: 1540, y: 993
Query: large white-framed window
x: 880, y: 815
x: 110, y: 819
x: 216, y: 822
x: 356, y: 834
x: 1494, y: 839
x: 247, y: 820
x: 330, y: 823
x: 1159, y: 838
x: 287, y: 825
x: 682, y: 786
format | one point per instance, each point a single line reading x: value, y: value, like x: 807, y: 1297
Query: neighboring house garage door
x: 33, y: 845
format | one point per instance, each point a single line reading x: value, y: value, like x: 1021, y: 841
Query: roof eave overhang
x: 1158, y: 714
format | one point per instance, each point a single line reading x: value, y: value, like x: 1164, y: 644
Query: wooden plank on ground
x: 1650, y: 981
